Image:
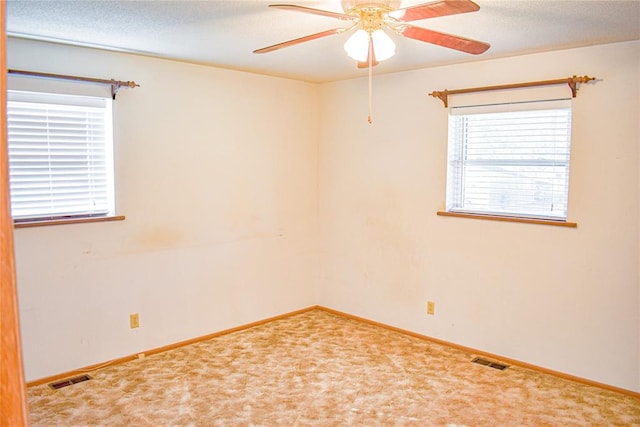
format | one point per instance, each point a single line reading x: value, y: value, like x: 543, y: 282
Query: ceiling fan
x: 369, y: 44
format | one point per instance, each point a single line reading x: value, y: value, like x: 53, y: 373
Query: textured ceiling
x: 224, y: 33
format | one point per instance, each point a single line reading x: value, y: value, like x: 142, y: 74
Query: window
x: 60, y: 156
x: 510, y: 159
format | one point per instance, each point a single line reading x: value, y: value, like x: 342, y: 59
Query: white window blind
x: 60, y: 156
x: 510, y: 159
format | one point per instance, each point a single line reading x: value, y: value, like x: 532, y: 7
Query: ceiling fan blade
x: 434, y: 9
x: 446, y: 40
x: 299, y: 40
x: 313, y: 11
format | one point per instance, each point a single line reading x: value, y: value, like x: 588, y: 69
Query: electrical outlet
x: 431, y: 307
x: 134, y: 320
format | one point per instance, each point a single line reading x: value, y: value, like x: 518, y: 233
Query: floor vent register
x: 486, y: 362
x: 69, y: 381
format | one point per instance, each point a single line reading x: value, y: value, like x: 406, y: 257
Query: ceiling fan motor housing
x: 350, y: 6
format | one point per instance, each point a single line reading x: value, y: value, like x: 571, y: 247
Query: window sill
x: 46, y: 222
x: 509, y: 219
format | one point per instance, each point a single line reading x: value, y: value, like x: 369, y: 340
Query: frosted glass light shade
x: 357, y: 46
x: 383, y: 46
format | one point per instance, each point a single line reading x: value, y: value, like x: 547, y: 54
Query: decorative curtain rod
x: 115, y: 84
x: 571, y: 81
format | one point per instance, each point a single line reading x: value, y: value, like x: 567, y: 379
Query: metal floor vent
x: 69, y: 381
x: 485, y: 362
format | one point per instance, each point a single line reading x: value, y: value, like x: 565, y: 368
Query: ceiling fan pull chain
x: 369, y: 119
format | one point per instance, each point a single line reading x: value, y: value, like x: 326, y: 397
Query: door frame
x: 13, y: 402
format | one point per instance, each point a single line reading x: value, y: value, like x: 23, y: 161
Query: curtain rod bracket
x: 442, y: 95
x: 116, y: 85
x: 571, y: 81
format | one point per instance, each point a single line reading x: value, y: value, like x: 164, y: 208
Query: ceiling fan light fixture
x: 384, y: 47
x: 357, y: 46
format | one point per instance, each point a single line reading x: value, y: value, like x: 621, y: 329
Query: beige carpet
x: 319, y: 369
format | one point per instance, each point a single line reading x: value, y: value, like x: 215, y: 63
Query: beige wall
x: 216, y: 174
x: 564, y: 299
x: 222, y: 174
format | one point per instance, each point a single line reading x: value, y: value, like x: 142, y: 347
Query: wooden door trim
x: 13, y: 403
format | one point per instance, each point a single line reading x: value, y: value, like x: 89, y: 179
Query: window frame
x: 455, y: 180
x: 106, y: 150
